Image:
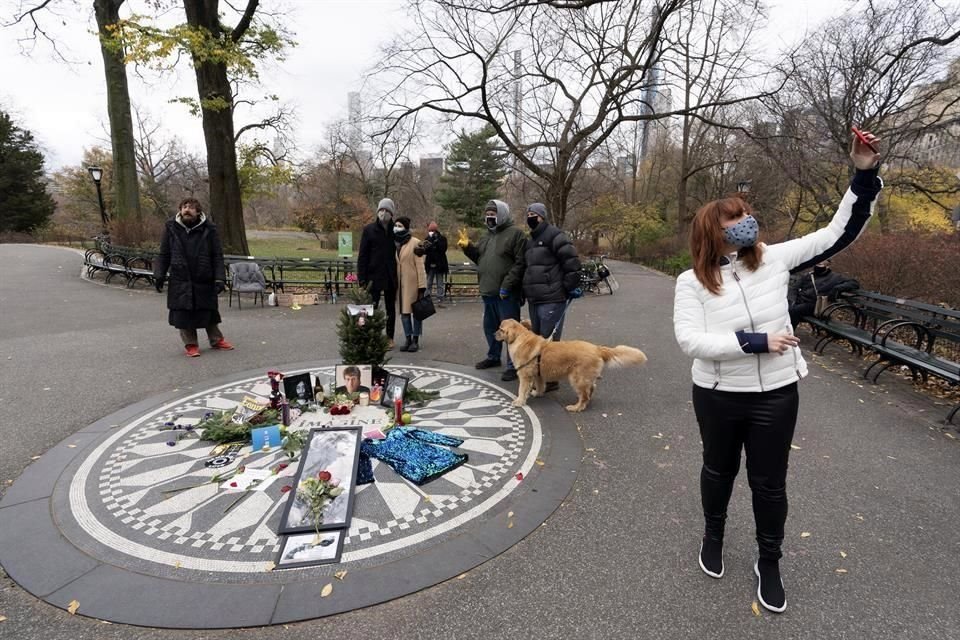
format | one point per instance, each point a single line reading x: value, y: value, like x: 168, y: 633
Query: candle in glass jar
x: 364, y: 398
x: 398, y: 411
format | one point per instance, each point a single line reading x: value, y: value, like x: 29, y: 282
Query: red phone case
x: 863, y: 139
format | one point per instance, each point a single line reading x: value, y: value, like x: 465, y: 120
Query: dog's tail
x: 622, y: 356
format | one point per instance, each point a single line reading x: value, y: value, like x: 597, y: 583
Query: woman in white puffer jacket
x: 731, y: 316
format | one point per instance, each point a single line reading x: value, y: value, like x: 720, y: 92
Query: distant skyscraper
x: 354, y: 114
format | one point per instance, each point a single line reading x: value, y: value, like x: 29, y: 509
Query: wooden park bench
x: 923, y: 337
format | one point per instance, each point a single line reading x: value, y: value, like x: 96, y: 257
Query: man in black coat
x: 552, y: 276
x: 377, y: 263
x: 823, y: 281
x: 191, y: 251
x: 435, y: 261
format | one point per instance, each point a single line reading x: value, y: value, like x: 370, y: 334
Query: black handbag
x: 423, y: 308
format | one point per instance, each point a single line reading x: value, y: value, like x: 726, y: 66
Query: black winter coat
x: 553, y: 268
x: 435, y: 254
x: 377, y: 257
x: 194, y: 258
x: 829, y: 284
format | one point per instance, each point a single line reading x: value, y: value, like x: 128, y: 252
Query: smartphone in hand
x: 862, y: 138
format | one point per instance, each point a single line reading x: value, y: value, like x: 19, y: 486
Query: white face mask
x: 431, y: 233
x: 398, y: 229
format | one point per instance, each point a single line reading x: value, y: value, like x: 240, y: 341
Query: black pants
x: 799, y: 310
x: 390, y: 300
x: 762, y: 423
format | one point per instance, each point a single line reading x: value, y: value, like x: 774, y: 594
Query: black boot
x: 406, y: 347
x: 711, y: 557
x: 414, y: 346
x: 770, y: 586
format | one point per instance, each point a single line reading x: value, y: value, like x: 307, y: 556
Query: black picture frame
x: 333, y: 449
x: 310, y: 555
x: 394, y: 382
x: 290, y: 384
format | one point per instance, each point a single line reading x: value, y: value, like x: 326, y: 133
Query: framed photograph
x: 353, y: 378
x: 298, y: 389
x: 396, y: 387
x: 308, y: 549
x: 328, y: 464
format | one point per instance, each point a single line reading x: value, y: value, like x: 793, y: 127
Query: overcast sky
x: 65, y: 105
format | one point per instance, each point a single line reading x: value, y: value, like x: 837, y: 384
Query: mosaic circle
x: 145, y: 492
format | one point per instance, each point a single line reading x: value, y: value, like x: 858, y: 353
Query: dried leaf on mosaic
x: 841, y: 570
x: 3, y: 618
x: 843, y: 554
x: 805, y: 534
x: 755, y: 608
x: 340, y: 575
x: 73, y: 606
x: 327, y: 590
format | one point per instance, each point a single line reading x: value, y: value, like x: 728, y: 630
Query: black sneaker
x: 509, y: 375
x: 487, y: 363
x: 711, y: 558
x: 770, y: 586
x: 552, y: 386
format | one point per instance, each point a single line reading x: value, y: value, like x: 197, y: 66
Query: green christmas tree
x: 362, y: 338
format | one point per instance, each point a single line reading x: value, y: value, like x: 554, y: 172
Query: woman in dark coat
x: 191, y: 250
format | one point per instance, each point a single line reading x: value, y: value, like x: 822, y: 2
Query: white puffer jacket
x: 756, y: 302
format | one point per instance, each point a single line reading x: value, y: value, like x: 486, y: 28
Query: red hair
x: 708, y: 242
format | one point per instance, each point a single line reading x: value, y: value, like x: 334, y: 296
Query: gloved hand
x: 504, y: 293
x: 462, y: 240
x: 158, y: 284
x: 575, y: 293
x: 221, y: 287
x: 420, y: 293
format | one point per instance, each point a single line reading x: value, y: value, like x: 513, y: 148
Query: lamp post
x: 97, y: 174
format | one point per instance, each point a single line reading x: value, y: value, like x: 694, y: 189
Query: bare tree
x: 579, y: 75
x: 126, y: 195
x: 880, y: 70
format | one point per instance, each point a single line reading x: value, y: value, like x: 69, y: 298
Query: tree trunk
x: 216, y: 102
x: 557, y: 195
x: 682, y: 183
x: 126, y: 189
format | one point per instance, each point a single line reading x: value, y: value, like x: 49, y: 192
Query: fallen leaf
x: 71, y: 446
x: 591, y: 449
x: 755, y: 608
x: 73, y: 606
x: 176, y: 565
x: 35, y: 458
x: 805, y: 534
x: 540, y: 462
x: 461, y: 576
x: 793, y: 446
x: 426, y: 498
x: 510, y: 514
x: 841, y: 570
x: 666, y: 448
x: 340, y: 575
x: 860, y: 400
x: 270, y: 566
x: 2, y: 618
x: 510, y: 525
x: 603, y: 415
x: 891, y: 457
x: 327, y: 590
x: 107, y: 621
x: 596, y: 492
x: 843, y: 554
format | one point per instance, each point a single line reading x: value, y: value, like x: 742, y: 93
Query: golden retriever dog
x: 539, y: 361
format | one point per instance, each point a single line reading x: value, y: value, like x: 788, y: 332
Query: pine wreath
x: 220, y: 428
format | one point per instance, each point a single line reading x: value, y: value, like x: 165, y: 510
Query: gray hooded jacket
x: 499, y: 255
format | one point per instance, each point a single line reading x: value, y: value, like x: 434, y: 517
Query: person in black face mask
x: 499, y: 259
x: 377, y: 263
x: 552, y: 275
x: 821, y: 282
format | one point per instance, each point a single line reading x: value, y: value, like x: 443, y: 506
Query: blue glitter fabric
x: 415, y: 454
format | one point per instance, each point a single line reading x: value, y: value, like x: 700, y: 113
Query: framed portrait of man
x: 353, y: 378
x: 396, y: 387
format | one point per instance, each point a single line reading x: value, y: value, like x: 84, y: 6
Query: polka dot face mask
x: 744, y: 233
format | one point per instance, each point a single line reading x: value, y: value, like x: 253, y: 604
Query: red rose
x: 520, y: 476
x: 325, y: 476
x: 233, y: 484
x: 285, y: 488
x: 282, y: 466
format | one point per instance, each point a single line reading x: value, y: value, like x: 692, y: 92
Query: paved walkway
x: 871, y: 478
